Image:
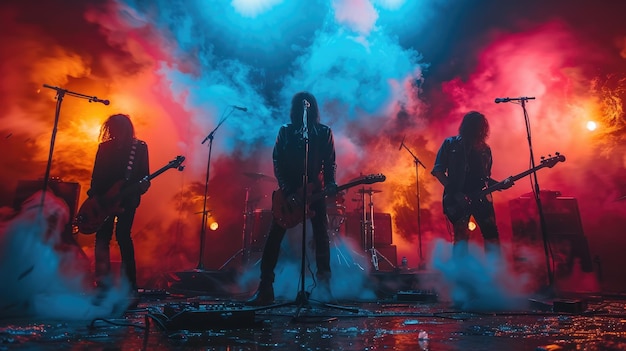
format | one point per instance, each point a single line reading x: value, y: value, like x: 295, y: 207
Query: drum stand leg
x: 368, y: 226
x: 245, y: 236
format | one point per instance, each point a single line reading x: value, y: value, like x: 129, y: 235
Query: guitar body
x: 288, y: 215
x: 456, y: 206
x: 95, y: 210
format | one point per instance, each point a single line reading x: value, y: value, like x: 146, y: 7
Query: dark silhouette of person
x: 289, y: 166
x: 121, y: 159
x: 463, y: 167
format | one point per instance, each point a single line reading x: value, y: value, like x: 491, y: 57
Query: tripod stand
x: 368, y: 228
x: 417, y: 185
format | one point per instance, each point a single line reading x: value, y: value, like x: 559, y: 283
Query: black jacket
x: 110, y: 168
x: 288, y: 157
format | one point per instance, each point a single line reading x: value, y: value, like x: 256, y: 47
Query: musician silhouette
x: 121, y: 158
x: 463, y: 167
x: 288, y: 158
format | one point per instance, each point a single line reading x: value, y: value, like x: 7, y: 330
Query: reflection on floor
x: 398, y: 318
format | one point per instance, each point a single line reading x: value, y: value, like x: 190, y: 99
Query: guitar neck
x: 499, y: 186
x: 366, y: 180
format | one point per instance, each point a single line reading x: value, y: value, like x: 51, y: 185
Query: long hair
x: 297, y: 109
x: 117, y: 127
x: 474, y: 129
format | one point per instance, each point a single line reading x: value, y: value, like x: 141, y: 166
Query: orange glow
x: 471, y: 225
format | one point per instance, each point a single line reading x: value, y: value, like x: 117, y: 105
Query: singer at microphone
x: 300, y: 164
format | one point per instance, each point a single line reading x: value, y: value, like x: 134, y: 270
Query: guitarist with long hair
x: 121, y: 160
x: 463, y: 166
x: 288, y: 158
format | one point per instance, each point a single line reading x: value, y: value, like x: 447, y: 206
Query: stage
x: 398, y: 318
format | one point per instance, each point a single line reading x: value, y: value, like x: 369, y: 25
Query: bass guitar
x: 95, y: 210
x: 288, y: 215
x: 455, y: 206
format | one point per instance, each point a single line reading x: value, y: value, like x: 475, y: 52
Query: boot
x: 264, y: 295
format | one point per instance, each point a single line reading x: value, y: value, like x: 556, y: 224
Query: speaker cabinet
x: 67, y: 191
x: 382, y: 229
x: 565, y: 237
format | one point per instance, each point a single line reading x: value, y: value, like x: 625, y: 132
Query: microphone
x: 95, y: 99
x: 402, y: 143
x: 244, y: 109
x: 507, y: 99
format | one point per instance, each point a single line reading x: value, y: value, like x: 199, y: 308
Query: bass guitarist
x: 288, y: 157
x: 463, y: 166
x: 121, y: 160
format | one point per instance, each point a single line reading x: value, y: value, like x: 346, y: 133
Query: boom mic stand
x: 536, y: 192
x: 417, y: 162
x: 59, y: 97
x: 205, y: 213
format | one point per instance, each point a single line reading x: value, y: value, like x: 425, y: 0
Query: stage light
x: 213, y: 226
x: 471, y: 225
x: 591, y: 126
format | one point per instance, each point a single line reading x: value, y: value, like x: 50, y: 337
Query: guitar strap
x: 131, y: 160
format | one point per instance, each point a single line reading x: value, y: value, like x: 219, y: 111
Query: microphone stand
x: 205, y: 213
x: 537, y: 194
x: 417, y: 162
x: 59, y: 97
x: 302, y: 298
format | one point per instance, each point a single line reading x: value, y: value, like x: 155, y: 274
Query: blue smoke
x: 258, y: 54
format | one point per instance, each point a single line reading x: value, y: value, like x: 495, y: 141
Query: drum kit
x: 256, y: 221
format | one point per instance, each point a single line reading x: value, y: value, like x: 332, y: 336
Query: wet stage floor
x: 408, y: 320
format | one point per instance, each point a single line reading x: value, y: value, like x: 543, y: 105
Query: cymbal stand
x: 369, y: 231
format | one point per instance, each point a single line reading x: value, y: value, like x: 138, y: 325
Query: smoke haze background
x: 381, y: 70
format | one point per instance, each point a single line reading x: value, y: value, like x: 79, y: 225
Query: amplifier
x: 382, y: 229
x: 67, y: 191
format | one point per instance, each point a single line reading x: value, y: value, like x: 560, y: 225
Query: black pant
x: 485, y: 217
x: 124, y: 240
x: 322, y: 244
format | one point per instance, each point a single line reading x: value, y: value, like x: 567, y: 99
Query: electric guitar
x: 288, y: 215
x: 95, y: 210
x: 455, y: 206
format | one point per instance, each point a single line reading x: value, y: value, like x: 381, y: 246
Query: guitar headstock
x: 373, y: 178
x: 177, y: 163
x: 552, y: 160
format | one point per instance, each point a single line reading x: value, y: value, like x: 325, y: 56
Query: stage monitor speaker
x: 67, y: 191
x: 564, y: 231
x: 382, y: 228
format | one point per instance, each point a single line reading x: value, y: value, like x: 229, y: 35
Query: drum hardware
x: 368, y: 227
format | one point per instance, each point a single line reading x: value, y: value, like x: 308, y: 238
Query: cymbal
x: 258, y: 176
x: 369, y: 191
